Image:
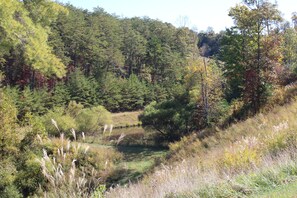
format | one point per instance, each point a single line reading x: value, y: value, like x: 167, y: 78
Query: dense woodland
x: 64, y: 69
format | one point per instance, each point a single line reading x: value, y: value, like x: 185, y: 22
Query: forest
x: 66, y: 73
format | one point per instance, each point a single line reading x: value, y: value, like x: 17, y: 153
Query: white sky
x: 201, y: 13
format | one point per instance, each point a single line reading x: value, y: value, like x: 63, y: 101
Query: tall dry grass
x: 259, y: 147
x: 73, y: 169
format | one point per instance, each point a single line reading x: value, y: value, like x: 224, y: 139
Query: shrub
x: 65, y: 122
x: 92, y: 119
x: 74, y: 108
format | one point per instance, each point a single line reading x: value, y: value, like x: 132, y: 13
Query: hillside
x: 254, y: 158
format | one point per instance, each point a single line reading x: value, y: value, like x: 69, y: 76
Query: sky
x: 197, y: 14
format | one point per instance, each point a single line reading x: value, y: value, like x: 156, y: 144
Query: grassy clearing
x: 126, y: 119
x: 137, y: 161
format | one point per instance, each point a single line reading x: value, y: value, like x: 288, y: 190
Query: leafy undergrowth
x: 247, y: 159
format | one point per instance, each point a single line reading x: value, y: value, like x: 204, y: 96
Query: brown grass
x: 124, y: 119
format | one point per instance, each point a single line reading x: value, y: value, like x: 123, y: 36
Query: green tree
x: 132, y: 91
x: 19, y: 31
x: 110, y: 92
x: 134, y: 48
x: 255, y: 22
x: 290, y: 49
x: 83, y: 89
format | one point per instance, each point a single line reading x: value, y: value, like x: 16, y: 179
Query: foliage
x: 83, y: 89
x: 172, y: 119
x: 204, y: 82
x: 9, y: 137
x: 132, y: 93
x: 74, y: 108
x: 90, y: 120
x: 252, y: 52
x: 242, y: 154
x: 60, y: 95
x: 65, y: 122
x: 21, y: 30
x: 110, y: 90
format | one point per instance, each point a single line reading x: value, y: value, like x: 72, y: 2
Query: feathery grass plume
x: 55, y: 124
x: 73, y: 134
x: 110, y: 129
x: 106, y: 163
x: 86, y: 149
x: 62, y: 137
x: 105, y: 128
x: 64, y: 157
x: 45, y: 156
x: 83, y: 136
x: 68, y: 145
x: 39, y: 138
x: 120, y: 138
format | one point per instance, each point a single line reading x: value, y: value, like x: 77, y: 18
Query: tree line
x: 92, y: 57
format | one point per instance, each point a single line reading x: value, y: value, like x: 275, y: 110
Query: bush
x: 92, y: 119
x: 64, y: 122
x: 74, y: 108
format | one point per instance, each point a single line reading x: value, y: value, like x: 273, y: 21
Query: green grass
x: 285, y: 191
x: 137, y: 161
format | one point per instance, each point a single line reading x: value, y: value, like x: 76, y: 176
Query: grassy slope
x: 212, y: 168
